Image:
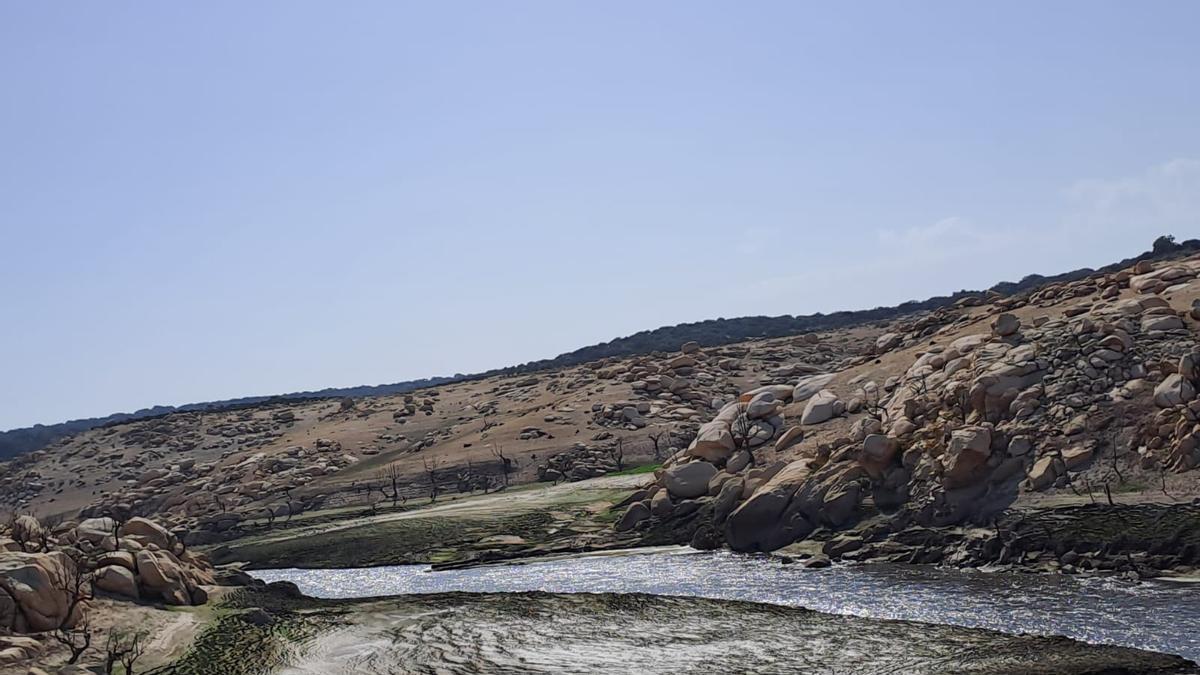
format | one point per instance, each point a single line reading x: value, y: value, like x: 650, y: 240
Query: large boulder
x: 783, y: 392
x: 739, y: 461
x: 714, y: 442
x: 150, y: 531
x: 879, y: 449
x: 660, y: 504
x: 727, y: 499
x: 1161, y: 322
x: 117, y: 580
x: 10, y: 614
x: 688, y: 481
x: 965, y: 455
x: 841, y: 503
x: 26, y: 528
x: 636, y: 513
x: 823, y: 406
x: 123, y: 558
x: 1004, y: 325
x: 1043, y: 473
x: 763, y: 405
x: 1075, y: 458
x: 888, y: 342
x: 1174, y: 390
x: 678, y: 362
x: 789, y: 438
x: 34, y: 581
x: 160, y: 573
x: 763, y: 522
x: 826, y: 497
x: 95, y: 529
x: 969, y: 343
x: 809, y: 386
x: 1188, y: 367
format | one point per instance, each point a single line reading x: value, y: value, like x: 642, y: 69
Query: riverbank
x: 475, y: 537
x: 531, y: 521
x: 274, y: 630
x: 1144, y: 540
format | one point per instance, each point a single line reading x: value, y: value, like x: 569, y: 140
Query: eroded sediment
x: 613, y: 633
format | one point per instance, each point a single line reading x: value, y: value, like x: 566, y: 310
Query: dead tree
x: 367, y: 489
x: 741, y: 430
x: 390, y: 476
x: 918, y: 384
x: 873, y: 404
x: 506, y: 463
x: 1115, y: 468
x: 466, y: 479
x: 119, y: 514
x: 962, y: 403
x: 74, y: 580
x: 76, y: 639
x: 1087, y: 485
x: 124, y: 647
x: 287, y: 494
x: 1162, y: 477
x: 431, y: 473
x: 655, y: 439
x: 470, y: 480
x: 618, y: 454
x: 45, y: 533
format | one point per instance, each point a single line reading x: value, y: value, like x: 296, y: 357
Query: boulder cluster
x: 721, y: 460
x: 579, y: 463
x: 412, y: 406
x: 49, y: 576
x: 140, y: 559
x: 1172, y: 435
x: 206, y: 497
x: 1030, y: 403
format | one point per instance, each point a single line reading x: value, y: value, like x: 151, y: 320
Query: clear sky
x: 215, y: 199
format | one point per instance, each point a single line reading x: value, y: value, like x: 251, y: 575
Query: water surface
x: 1159, y: 616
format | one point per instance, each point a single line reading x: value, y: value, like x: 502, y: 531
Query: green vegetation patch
x: 633, y: 471
x: 408, y: 541
x: 232, y: 644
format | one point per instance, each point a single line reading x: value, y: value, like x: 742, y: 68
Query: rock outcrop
x: 51, y: 588
x: 1101, y: 386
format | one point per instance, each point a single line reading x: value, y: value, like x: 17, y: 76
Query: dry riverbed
x: 614, y: 633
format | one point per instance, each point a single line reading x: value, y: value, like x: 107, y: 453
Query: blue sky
x: 208, y: 200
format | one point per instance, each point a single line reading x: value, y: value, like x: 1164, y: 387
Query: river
x: 1159, y: 616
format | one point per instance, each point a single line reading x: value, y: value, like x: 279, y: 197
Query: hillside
x: 1053, y: 430
x: 210, y: 470
x: 707, y: 333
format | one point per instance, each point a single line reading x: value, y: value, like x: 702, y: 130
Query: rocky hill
x: 1079, y: 393
x: 708, y: 333
x: 1083, y: 388
x: 1055, y: 429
